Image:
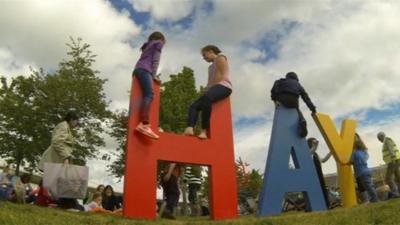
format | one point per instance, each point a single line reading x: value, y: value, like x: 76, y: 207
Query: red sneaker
x: 146, y: 130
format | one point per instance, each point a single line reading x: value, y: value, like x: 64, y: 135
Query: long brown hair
x: 359, y: 143
x: 156, y: 35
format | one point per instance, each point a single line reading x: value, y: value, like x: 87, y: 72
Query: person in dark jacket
x: 286, y: 92
x: 169, y: 183
x: 313, y: 145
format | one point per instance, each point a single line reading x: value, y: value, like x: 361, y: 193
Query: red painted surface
x: 143, y: 154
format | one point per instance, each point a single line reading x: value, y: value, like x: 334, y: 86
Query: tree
x: 176, y: 96
x: 82, y: 91
x: 30, y: 107
x: 18, y: 120
x: 119, y: 129
x: 248, y: 183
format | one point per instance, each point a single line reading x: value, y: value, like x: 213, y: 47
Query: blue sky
x: 346, y: 55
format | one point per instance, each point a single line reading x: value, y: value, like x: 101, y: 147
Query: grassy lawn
x: 379, y: 213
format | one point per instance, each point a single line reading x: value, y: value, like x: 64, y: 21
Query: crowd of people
x: 18, y: 189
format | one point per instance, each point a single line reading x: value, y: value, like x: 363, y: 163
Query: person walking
x: 60, y: 151
x: 391, y: 157
x: 62, y: 142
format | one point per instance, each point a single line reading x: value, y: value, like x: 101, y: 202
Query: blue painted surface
x: 278, y: 178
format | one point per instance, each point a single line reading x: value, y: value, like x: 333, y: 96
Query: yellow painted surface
x: 347, y: 185
x: 341, y: 146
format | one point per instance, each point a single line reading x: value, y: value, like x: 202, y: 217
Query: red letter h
x: 143, y: 153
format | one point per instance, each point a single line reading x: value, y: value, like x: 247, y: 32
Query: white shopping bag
x: 65, y: 180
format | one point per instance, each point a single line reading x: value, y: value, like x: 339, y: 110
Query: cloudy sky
x: 345, y: 53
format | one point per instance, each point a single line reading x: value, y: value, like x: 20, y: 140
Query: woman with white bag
x: 62, y: 142
x: 60, y: 151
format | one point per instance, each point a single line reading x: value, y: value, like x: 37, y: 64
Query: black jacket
x: 291, y: 86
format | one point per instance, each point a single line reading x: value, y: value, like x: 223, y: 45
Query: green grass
x: 379, y: 213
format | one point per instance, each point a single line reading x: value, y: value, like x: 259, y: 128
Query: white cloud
x: 171, y: 10
x: 10, y: 65
x: 232, y: 22
x: 35, y: 32
x: 348, y: 58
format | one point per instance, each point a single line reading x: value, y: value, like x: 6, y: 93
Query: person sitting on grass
x: 95, y: 205
x: 7, y: 179
x: 110, y: 201
x: 41, y: 196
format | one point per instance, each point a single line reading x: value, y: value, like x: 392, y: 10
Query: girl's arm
x: 156, y: 57
x: 170, y: 169
x: 326, y: 157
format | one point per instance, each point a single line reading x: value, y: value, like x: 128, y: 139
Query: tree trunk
x: 18, y: 164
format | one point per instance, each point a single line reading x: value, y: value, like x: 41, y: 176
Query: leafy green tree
x: 248, y: 182
x: 176, y: 96
x: 30, y: 107
x: 76, y: 86
x: 119, y: 129
x: 18, y: 120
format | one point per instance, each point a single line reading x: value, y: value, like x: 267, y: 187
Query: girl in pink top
x: 219, y: 87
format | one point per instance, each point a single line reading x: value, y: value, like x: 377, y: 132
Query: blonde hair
x: 96, y: 195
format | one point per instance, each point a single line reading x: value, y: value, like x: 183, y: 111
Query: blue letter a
x: 278, y: 178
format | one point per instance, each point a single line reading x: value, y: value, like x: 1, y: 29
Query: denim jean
x: 146, y: 84
x: 367, y: 184
x: 204, y: 104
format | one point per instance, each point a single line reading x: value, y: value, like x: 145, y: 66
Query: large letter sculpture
x: 342, y: 147
x: 278, y: 178
x: 143, y: 153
